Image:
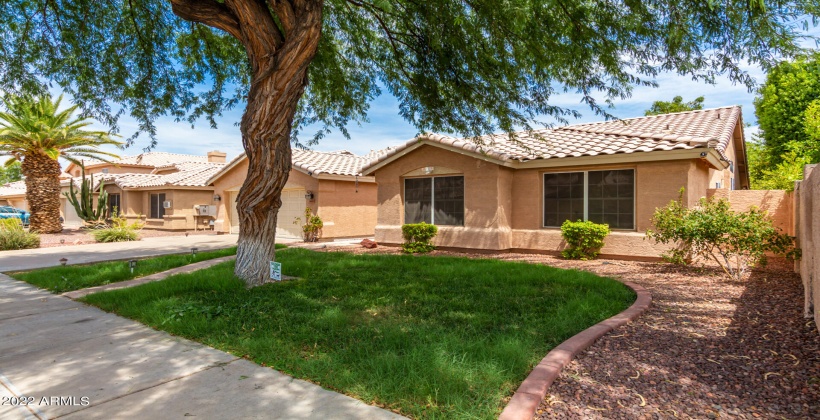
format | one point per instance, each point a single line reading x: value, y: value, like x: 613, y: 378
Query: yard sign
x: 276, y: 271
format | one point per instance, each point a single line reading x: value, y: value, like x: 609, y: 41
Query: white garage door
x: 293, y: 206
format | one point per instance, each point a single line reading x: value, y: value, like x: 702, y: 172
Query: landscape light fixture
x: 132, y: 264
x: 193, y: 251
x: 309, y: 195
x: 63, y: 261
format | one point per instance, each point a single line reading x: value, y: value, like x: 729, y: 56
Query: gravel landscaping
x: 706, y: 348
x: 77, y: 236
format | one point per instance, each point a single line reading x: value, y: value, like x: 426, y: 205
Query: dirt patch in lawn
x: 706, y: 348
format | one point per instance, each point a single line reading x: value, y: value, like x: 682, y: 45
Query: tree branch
x: 208, y: 12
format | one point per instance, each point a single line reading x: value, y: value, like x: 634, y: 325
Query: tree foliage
x: 788, y: 111
x: 676, y: 105
x: 465, y: 67
x: 10, y: 172
x: 782, y: 101
x: 736, y: 241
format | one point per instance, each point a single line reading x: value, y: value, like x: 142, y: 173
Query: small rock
x: 367, y: 243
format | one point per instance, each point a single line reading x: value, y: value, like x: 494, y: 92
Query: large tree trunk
x: 279, y: 51
x: 43, y: 192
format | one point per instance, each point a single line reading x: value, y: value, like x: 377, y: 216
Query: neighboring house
x: 14, y: 194
x: 500, y: 194
x: 328, y: 182
x: 161, y: 189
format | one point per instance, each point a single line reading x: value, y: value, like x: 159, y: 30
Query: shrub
x: 417, y: 237
x: 312, y: 228
x: 736, y: 241
x: 13, y: 236
x: 120, y: 231
x: 585, y: 239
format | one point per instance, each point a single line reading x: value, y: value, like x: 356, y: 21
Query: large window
x: 437, y: 200
x: 157, y: 208
x: 600, y: 196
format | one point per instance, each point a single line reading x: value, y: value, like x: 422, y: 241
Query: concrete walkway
x: 190, y: 268
x: 29, y: 259
x: 76, y: 361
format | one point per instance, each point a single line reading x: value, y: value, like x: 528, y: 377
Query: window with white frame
x: 600, y: 196
x: 435, y: 200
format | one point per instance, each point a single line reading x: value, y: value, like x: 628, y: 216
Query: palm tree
x: 34, y: 132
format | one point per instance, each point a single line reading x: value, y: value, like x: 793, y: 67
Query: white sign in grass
x: 276, y: 271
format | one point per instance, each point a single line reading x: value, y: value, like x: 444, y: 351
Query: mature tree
x: 34, y: 132
x: 781, y: 105
x: 676, y: 105
x: 10, y: 173
x: 469, y: 67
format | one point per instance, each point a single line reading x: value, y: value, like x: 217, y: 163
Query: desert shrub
x: 120, y: 231
x: 585, y: 239
x: 418, y: 237
x: 13, y: 236
x: 312, y: 228
x: 736, y: 241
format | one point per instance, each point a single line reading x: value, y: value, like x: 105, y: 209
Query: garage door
x: 293, y: 206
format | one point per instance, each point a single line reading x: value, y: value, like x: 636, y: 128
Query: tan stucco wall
x: 504, y: 206
x: 19, y: 203
x: 486, y: 218
x: 344, y: 211
x: 347, y: 210
x: 808, y: 239
x: 778, y: 203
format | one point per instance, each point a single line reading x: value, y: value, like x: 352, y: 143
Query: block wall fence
x: 807, y: 218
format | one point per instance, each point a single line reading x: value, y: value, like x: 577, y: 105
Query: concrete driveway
x: 67, y: 359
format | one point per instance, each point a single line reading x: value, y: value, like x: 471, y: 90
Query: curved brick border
x: 532, y: 391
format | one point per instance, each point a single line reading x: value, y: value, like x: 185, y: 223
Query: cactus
x: 85, y: 204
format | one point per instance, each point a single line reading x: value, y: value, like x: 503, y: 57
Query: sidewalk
x: 80, y: 362
x: 29, y: 259
x: 76, y: 361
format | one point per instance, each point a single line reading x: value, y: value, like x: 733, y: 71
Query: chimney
x: 216, y: 156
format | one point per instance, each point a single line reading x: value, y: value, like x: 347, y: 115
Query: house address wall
x: 503, y: 206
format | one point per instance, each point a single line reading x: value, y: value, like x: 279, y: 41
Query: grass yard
x: 74, y: 277
x: 429, y: 337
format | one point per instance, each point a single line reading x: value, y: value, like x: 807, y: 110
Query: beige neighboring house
x: 328, y: 182
x: 14, y: 194
x: 167, y: 191
x: 499, y: 194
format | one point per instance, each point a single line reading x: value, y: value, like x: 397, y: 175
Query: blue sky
x: 387, y: 128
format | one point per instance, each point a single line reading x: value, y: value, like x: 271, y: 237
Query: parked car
x: 9, y: 212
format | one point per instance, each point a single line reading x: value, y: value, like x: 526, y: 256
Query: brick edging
x: 532, y: 391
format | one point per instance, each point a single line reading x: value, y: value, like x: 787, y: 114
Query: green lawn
x: 74, y: 277
x: 431, y: 337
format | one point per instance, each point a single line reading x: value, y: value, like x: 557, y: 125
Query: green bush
x: 585, y: 239
x: 13, y: 236
x: 120, y: 231
x: 312, y: 228
x: 736, y: 241
x: 417, y: 237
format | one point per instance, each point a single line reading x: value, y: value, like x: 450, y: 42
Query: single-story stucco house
x: 161, y: 189
x: 500, y: 194
x: 328, y: 182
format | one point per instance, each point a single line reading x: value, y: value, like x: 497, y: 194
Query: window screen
x: 563, y: 197
x: 437, y: 200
